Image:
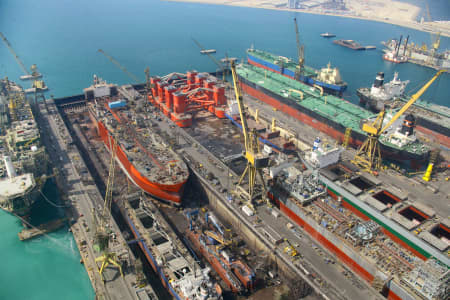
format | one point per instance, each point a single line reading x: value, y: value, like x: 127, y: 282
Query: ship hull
x: 351, y: 258
x: 151, y: 259
x: 25, y: 202
x: 167, y: 193
x: 327, y: 126
x: 435, y: 129
x: 331, y: 88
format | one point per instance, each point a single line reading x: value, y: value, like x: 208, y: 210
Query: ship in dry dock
x: 24, y: 164
x: 143, y: 155
x: 367, y: 231
x: 178, y: 271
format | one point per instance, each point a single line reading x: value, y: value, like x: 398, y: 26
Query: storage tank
x: 179, y: 102
x: 153, y: 82
x: 219, y: 95
x: 161, y: 93
x: 169, y: 90
x: 199, y: 79
x: 9, y: 167
x: 191, y: 77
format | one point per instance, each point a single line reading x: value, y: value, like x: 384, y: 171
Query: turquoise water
x: 45, y: 267
x: 62, y: 37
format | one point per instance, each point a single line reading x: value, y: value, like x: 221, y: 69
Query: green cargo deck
x: 329, y: 106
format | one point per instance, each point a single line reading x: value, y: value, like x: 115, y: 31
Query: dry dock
x: 82, y: 198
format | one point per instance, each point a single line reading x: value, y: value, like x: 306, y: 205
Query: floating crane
x: 220, y: 65
x: 256, y: 161
x: 102, y: 233
x: 368, y: 156
x: 132, y: 76
x: 34, y: 72
x: 301, y: 53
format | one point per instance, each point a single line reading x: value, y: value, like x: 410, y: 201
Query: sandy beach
x: 388, y: 11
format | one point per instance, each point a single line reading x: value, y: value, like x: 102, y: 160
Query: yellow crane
x: 301, y: 53
x: 223, y: 242
x: 256, y: 161
x: 368, y: 156
x: 102, y: 233
x: 131, y: 75
x: 290, y: 249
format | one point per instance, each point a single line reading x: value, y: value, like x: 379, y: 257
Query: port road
x: 84, y: 198
x: 332, y: 280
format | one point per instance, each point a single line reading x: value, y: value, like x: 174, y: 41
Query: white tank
x: 9, y: 167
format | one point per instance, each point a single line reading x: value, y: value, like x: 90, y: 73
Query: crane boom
x: 119, y: 65
x: 412, y: 100
x: 238, y: 93
x: 209, y: 55
x: 300, y: 48
x: 22, y: 66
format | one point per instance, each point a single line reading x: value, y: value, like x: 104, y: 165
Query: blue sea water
x: 62, y: 37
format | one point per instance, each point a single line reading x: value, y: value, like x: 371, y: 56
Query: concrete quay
x: 82, y: 198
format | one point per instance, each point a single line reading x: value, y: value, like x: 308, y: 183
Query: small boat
x: 327, y: 35
x: 208, y: 51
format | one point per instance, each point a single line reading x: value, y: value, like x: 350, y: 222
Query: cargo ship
x: 178, y: 271
x: 431, y: 119
x: 142, y: 154
x: 349, y: 44
x: 328, y: 78
x: 328, y: 113
x: 361, y: 232
x: 212, y: 240
x: 24, y: 164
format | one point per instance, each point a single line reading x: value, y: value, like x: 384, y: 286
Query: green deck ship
x: 328, y: 113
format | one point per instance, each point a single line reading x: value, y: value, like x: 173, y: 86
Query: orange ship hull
x: 168, y: 193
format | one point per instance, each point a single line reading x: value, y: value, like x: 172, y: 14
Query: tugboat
x: 376, y: 96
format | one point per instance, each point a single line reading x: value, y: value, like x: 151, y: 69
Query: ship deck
x: 287, y: 62
x: 331, y: 107
x: 144, y: 148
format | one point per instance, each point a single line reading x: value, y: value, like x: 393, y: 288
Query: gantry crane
x: 300, y: 53
x: 368, y: 156
x: 131, y: 75
x: 256, y: 161
x: 220, y: 65
x: 102, y: 233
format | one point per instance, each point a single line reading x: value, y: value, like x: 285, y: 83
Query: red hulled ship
x: 142, y: 154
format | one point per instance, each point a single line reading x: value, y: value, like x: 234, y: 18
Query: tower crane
x: 256, y: 160
x: 132, y: 76
x: 368, y: 156
x: 220, y: 65
x: 34, y: 73
x: 300, y: 51
x: 102, y: 233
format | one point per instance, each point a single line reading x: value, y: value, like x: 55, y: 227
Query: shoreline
x: 428, y: 27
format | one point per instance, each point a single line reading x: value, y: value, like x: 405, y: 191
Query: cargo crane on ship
x: 368, y: 156
x: 300, y: 51
x: 102, y: 233
x: 256, y: 161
